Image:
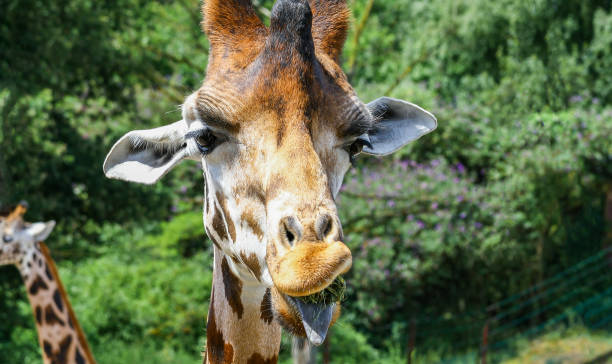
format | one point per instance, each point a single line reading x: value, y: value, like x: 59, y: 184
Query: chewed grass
x: 332, y: 294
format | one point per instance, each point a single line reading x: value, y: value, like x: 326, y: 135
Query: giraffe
x: 275, y: 125
x: 59, y: 334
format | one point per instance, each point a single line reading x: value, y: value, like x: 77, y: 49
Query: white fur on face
x: 245, y: 159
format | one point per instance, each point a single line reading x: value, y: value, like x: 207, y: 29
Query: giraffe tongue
x: 316, y: 319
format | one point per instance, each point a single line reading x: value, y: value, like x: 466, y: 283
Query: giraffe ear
x: 40, y: 230
x: 145, y: 156
x: 398, y: 123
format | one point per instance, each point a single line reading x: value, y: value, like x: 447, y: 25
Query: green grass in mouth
x: 332, y: 294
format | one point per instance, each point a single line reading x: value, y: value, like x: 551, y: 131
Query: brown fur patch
x: 248, y: 217
x: 38, y: 314
x: 266, y: 308
x: 61, y: 355
x: 218, y: 225
x: 275, y: 187
x: 51, y: 318
x: 228, y: 218
x: 250, y: 191
x: 48, y: 273
x: 257, y: 358
x: 252, y: 262
x: 217, y: 350
x: 233, y: 288
x: 58, y: 300
x: 38, y: 285
x: 78, y: 357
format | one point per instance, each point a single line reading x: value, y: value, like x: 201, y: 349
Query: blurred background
x: 490, y: 237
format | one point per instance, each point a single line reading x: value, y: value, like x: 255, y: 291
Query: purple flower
x: 434, y: 206
x: 595, y: 100
x: 183, y: 189
x: 460, y: 168
x: 438, y: 227
x: 391, y: 203
x: 174, y: 208
x: 410, y: 217
x: 420, y: 224
x: 576, y: 98
x: 462, y: 215
x: 460, y: 198
x: 478, y: 225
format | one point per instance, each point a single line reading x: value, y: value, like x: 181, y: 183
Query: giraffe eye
x: 206, y: 141
x: 7, y: 238
x: 356, y: 148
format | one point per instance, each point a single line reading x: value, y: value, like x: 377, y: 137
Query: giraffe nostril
x: 324, y: 226
x: 290, y: 230
x: 290, y: 237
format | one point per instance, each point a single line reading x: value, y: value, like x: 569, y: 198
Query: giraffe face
x: 276, y: 125
x: 18, y: 238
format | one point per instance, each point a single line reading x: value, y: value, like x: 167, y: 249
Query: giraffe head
x: 19, y: 238
x: 276, y: 125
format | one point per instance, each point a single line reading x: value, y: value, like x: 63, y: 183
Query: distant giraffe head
x: 59, y: 334
x: 20, y: 239
x: 276, y: 125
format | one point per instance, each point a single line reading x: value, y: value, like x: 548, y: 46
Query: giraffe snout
x: 324, y: 228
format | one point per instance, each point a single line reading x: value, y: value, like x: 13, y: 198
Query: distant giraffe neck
x: 59, y: 334
x: 240, y: 327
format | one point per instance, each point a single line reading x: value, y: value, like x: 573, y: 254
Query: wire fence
x: 581, y: 294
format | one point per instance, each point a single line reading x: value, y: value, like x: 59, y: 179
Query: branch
x: 358, y: 30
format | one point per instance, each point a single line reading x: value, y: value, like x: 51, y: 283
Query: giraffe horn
x: 330, y: 26
x: 18, y: 212
x: 227, y: 21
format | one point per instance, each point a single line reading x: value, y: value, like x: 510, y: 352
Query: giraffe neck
x: 240, y: 326
x: 59, y: 334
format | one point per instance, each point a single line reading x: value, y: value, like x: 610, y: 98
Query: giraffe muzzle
x: 308, y: 267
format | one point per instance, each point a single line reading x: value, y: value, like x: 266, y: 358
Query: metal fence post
x: 411, y: 339
x: 485, y: 343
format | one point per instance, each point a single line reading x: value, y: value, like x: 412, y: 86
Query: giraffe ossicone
x: 60, y: 336
x: 276, y: 125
